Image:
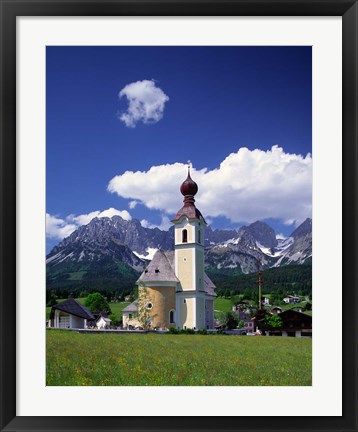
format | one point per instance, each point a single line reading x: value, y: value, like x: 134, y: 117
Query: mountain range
x: 109, y: 252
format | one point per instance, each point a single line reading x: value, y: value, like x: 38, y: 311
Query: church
x: 174, y: 288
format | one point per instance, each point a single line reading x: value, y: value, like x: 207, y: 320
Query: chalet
x: 70, y: 314
x: 294, y: 323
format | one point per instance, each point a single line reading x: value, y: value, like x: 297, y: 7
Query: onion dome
x: 189, y: 187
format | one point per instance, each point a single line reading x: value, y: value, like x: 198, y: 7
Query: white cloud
x: 150, y: 253
x: 164, y: 225
x: 84, y: 219
x: 133, y: 204
x: 58, y: 228
x: 248, y: 185
x: 145, y: 103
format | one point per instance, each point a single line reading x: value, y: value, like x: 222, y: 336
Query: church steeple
x: 189, y: 189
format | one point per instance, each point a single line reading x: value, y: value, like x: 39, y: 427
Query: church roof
x: 160, y: 269
x: 190, y: 211
x: 164, y: 262
x: 209, y: 285
x: 73, y: 307
x: 133, y: 307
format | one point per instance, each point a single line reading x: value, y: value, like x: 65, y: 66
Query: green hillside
x: 284, y: 279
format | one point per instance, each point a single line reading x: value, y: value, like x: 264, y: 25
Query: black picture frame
x: 10, y: 9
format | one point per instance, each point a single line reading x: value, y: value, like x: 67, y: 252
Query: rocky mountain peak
x: 263, y: 234
x: 304, y: 229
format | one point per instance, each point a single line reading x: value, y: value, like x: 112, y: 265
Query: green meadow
x: 99, y: 359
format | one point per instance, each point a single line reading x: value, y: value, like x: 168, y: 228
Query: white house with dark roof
x: 70, y: 314
x: 180, y: 294
x: 103, y: 321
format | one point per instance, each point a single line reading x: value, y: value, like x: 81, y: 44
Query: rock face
x: 257, y: 246
x: 116, y: 247
x: 263, y: 234
x: 299, y: 251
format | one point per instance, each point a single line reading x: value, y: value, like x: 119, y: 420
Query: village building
x: 265, y: 301
x: 174, y: 288
x: 129, y: 316
x: 294, y: 323
x: 245, y: 316
x: 103, y: 321
x: 292, y: 299
x: 70, y: 314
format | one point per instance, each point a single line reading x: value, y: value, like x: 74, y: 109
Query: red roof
x: 190, y: 211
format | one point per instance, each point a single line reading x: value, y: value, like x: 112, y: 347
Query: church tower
x: 189, y: 260
x: 174, y: 290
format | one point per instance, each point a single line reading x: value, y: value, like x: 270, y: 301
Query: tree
x: 97, y: 303
x: 273, y: 321
x: 231, y: 320
x: 51, y: 298
x: 114, y: 319
x: 276, y: 299
x: 308, y: 306
x: 241, y: 324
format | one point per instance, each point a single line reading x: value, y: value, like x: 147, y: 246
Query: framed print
x: 178, y: 197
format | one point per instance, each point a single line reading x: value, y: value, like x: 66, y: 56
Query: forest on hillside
x: 285, y: 280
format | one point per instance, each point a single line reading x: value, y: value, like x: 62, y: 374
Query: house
x: 128, y: 298
x: 265, y: 301
x: 103, y: 322
x: 70, y: 314
x: 294, y: 323
x: 291, y: 299
x: 174, y: 290
x: 129, y: 315
x: 276, y: 310
x: 244, y: 315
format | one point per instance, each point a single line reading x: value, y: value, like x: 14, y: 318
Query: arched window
x: 199, y: 236
x: 185, y: 236
x: 172, y: 317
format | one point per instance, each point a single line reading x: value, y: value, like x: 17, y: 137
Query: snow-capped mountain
x: 257, y: 246
x: 113, y: 247
x: 298, y: 247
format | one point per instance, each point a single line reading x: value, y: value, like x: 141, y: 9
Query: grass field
x: 77, y: 359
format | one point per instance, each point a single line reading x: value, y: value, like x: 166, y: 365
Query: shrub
x: 231, y: 320
x: 173, y: 330
x: 203, y: 332
x: 274, y: 321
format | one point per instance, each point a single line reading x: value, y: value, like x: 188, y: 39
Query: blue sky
x: 197, y: 103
